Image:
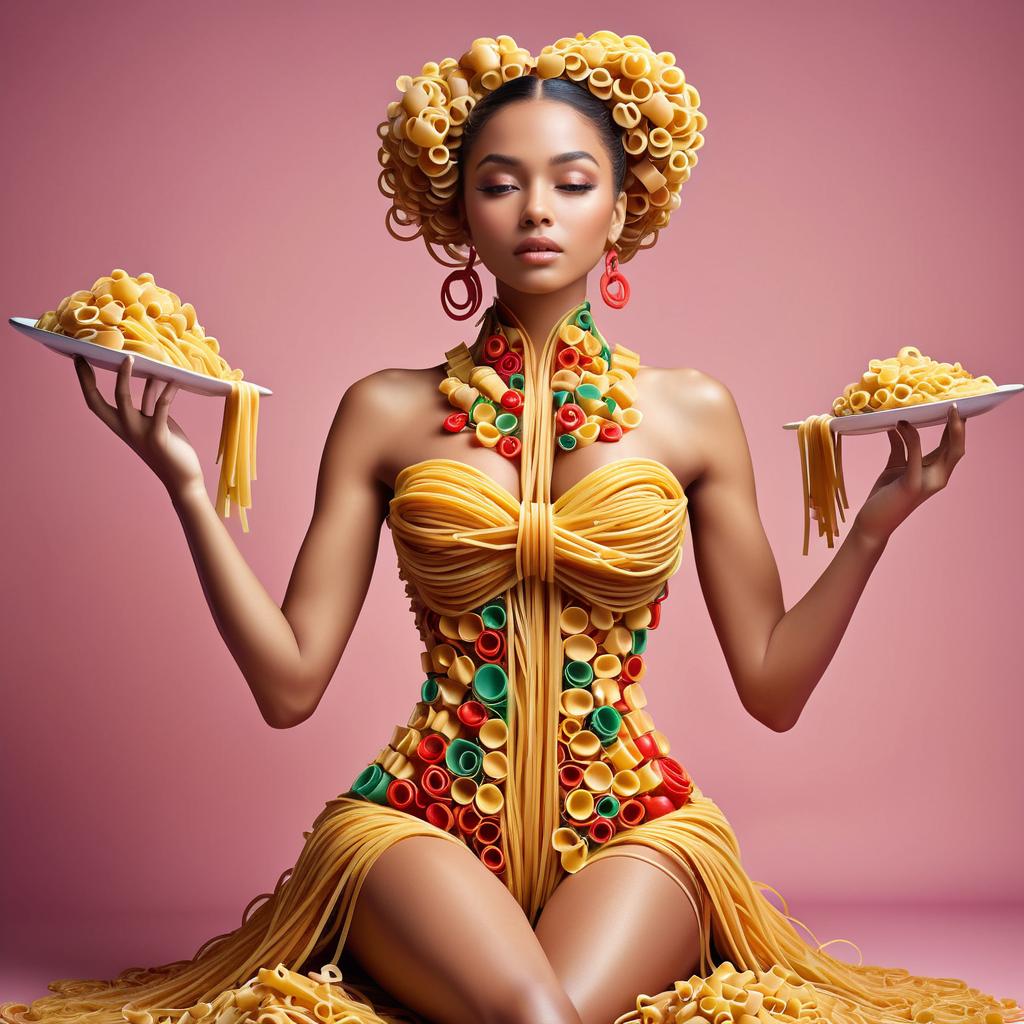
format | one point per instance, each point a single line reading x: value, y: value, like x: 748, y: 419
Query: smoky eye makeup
x: 502, y: 188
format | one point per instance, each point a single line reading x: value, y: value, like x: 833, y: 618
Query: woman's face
x: 519, y: 182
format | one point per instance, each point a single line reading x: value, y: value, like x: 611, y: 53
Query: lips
x: 538, y: 244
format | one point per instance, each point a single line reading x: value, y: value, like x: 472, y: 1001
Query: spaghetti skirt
x: 287, y: 960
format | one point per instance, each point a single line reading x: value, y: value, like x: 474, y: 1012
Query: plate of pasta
x: 122, y: 314
x: 909, y: 386
x: 111, y: 358
x: 924, y: 414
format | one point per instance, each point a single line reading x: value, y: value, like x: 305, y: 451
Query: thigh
x: 620, y: 926
x: 441, y: 933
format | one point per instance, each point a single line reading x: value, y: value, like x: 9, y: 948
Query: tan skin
x: 565, y: 967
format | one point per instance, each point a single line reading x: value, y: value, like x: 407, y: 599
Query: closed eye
x: 493, y: 189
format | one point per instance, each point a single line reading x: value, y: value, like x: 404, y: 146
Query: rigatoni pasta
x: 907, y: 379
x: 136, y: 314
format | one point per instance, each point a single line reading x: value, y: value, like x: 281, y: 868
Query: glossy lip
x: 538, y: 256
x: 549, y: 244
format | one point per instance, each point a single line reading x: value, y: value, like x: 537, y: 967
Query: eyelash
x: 493, y: 189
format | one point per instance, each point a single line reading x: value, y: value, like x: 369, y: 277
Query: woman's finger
x: 913, y: 441
x: 149, y: 396
x: 123, y: 396
x: 96, y: 402
x: 163, y: 404
x: 897, y: 453
x: 940, y: 462
x: 938, y: 453
x: 958, y: 437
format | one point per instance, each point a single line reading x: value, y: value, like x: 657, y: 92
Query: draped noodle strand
x: 534, y: 635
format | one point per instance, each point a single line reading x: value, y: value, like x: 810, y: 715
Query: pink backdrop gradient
x: 858, y: 191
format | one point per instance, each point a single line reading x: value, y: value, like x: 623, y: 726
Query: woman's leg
x: 621, y: 926
x: 441, y: 933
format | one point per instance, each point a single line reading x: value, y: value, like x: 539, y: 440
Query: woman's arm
x: 288, y: 654
x: 776, y: 657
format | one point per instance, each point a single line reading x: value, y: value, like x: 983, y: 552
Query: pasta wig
x: 654, y: 121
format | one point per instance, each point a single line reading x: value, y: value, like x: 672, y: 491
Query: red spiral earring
x: 468, y: 276
x: 613, y: 275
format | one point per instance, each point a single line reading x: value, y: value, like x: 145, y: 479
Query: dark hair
x: 527, y: 87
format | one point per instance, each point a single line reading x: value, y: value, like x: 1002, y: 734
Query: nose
x: 535, y: 209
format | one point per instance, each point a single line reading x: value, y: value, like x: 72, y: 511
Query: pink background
x: 858, y: 191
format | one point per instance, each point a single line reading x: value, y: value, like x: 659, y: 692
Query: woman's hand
x: 149, y: 431
x: 907, y: 479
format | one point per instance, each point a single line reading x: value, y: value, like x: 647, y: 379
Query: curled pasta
x: 906, y: 379
x: 135, y: 314
x: 649, y: 97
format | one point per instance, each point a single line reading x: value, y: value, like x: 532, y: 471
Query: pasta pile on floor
x: 780, y: 995
x: 135, y: 314
x: 906, y: 379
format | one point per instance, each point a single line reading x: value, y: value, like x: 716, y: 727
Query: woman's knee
x: 579, y: 948
x: 530, y: 1002
x: 438, y: 930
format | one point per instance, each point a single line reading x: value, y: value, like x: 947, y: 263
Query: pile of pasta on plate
x: 902, y: 381
x: 139, y: 316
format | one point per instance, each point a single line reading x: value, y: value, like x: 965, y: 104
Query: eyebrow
x: 562, y: 158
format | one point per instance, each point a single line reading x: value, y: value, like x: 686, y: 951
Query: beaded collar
x: 592, y: 385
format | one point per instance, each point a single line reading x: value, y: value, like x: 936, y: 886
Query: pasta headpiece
x: 647, y: 93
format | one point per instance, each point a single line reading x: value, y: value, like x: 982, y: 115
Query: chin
x: 537, y: 284
x: 552, y: 273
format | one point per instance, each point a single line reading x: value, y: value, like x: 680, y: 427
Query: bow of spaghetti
x: 138, y: 315
x: 906, y: 379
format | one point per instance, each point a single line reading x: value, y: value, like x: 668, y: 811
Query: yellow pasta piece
x: 135, y: 314
x: 906, y: 379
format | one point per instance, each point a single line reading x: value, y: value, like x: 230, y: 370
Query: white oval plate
x: 111, y: 359
x: 924, y: 415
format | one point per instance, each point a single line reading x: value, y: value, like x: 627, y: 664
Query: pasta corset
x: 531, y: 738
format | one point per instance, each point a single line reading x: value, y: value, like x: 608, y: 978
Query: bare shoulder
x: 686, y: 388
x: 381, y: 410
x: 698, y: 411
x: 394, y: 388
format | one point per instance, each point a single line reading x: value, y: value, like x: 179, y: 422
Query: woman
x: 536, y: 798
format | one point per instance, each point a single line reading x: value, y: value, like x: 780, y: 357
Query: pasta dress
x: 530, y: 742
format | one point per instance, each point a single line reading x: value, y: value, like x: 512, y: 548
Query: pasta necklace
x: 592, y: 385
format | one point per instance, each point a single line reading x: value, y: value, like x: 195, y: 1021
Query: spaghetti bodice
x: 613, y: 538
x: 531, y: 737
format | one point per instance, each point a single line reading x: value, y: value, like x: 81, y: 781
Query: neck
x: 539, y: 313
